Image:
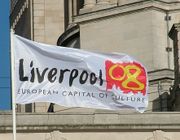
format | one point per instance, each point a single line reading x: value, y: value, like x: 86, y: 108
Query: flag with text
x: 77, y: 78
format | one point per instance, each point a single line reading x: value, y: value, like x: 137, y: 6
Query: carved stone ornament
x: 158, y: 135
x: 56, y: 135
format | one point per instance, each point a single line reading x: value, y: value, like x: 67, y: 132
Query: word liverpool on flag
x: 77, y: 78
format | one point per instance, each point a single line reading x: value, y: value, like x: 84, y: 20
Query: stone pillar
x: 94, y: 5
x: 113, y: 2
x: 102, y: 1
x: 89, y: 3
x: 104, y: 4
x: 89, y: 6
x: 122, y: 2
x: 56, y: 135
x: 174, y: 34
x: 158, y: 135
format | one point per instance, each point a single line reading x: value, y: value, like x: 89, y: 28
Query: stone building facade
x: 137, y: 27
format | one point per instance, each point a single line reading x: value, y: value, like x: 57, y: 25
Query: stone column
x: 89, y: 3
x: 102, y: 1
x: 158, y: 135
x: 122, y: 2
x: 104, y: 4
x: 56, y: 135
x: 174, y: 34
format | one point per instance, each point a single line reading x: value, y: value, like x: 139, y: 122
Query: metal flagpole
x: 12, y: 85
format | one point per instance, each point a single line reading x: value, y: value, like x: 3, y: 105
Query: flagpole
x: 12, y: 85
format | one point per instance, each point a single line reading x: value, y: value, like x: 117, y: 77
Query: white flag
x: 77, y: 78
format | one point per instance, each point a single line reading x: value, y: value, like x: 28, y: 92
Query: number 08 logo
x: 127, y: 76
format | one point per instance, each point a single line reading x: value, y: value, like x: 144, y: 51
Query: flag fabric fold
x: 77, y: 78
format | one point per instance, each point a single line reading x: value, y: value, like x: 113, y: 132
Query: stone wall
x: 140, y: 29
x: 48, y: 20
x: 112, y: 125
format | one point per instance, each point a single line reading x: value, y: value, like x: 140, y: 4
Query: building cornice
x: 128, y: 9
x: 78, y: 122
x: 161, y: 74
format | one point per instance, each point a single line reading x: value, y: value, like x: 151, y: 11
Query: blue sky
x: 5, y: 101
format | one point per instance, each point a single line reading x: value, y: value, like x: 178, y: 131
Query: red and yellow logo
x: 129, y: 77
